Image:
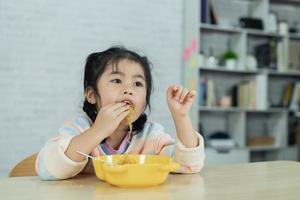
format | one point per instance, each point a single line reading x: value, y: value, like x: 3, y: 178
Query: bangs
x: 114, y: 62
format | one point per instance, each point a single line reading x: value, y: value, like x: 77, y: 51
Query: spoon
x: 108, y: 161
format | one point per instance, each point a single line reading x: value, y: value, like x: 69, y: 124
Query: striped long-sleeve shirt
x: 53, y: 164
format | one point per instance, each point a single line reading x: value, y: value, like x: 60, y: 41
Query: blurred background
x: 249, y: 87
x: 242, y: 56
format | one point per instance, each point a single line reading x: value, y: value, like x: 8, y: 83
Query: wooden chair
x: 25, y: 168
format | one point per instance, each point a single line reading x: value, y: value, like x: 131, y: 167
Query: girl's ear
x: 90, y: 95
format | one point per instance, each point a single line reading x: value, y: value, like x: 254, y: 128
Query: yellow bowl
x: 126, y: 171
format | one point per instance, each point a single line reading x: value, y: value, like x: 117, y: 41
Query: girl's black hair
x: 96, y: 64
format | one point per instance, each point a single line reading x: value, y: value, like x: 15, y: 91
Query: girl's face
x: 124, y: 83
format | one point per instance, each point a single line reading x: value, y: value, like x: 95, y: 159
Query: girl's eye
x: 138, y: 84
x: 116, y: 81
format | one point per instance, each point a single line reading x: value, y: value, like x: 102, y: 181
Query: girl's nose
x: 127, y: 92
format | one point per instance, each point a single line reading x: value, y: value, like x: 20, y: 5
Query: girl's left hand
x: 180, y: 100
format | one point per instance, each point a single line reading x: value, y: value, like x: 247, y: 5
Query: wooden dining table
x: 262, y: 180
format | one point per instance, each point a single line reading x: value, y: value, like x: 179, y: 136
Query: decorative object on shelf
x: 221, y: 141
x: 251, y: 63
x: 225, y: 102
x: 294, y: 28
x: 252, y: 23
x: 262, y: 138
x: 261, y: 141
x: 266, y: 55
x: 211, y: 61
x: 201, y: 59
x: 283, y: 27
x: 230, y: 58
x: 272, y: 22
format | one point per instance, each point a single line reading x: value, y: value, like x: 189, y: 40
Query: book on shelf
x: 287, y: 94
x: 245, y: 95
x: 207, y: 96
x: 208, y: 12
x: 234, y: 94
x: 294, y: 58
x: 213, y: 14
x: 211, y: 95
x: 204, y: 11
x: 202, y: 93
x: 262, y: 92
x: 295, y: 98
x: 281, y: 57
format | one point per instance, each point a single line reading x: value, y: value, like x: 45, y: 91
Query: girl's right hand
x: 109, y: 118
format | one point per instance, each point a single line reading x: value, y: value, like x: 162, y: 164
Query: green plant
x: 230, y: 55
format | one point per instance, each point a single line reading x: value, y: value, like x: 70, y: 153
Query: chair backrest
x: 25, y: 168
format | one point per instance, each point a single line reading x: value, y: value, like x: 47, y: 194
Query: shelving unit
x: 211, y: 27
x: 222, y: 69
x: 266, y: 119
x: 294, y: 36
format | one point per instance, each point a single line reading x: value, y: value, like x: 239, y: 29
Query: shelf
x: 288, y: 73
x: 294, y: 36
x: 264, y: 148
x: 256, y: 148
x: 223, y: 69
x: 260, y: 33
x: 272, y: 110
x: 238, y: 30
x: 216, y: 28
x: 219, y: 109
x: 236, y: 109
x: 285, y: 2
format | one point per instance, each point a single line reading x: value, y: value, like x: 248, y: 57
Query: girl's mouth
x: 128, y: 102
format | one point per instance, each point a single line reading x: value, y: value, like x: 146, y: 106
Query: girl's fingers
x: 174, y: 87
x: 191, y: 93
x: 121, y: 109
x: 178, y: 93
x: 113, y: 106
x: 170, y: 91
x: 184, y: 92
x: 122, y: 115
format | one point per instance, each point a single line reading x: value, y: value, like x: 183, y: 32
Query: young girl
x: 117, y: 82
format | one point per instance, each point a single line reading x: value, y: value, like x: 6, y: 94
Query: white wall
x: 43, y: 46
